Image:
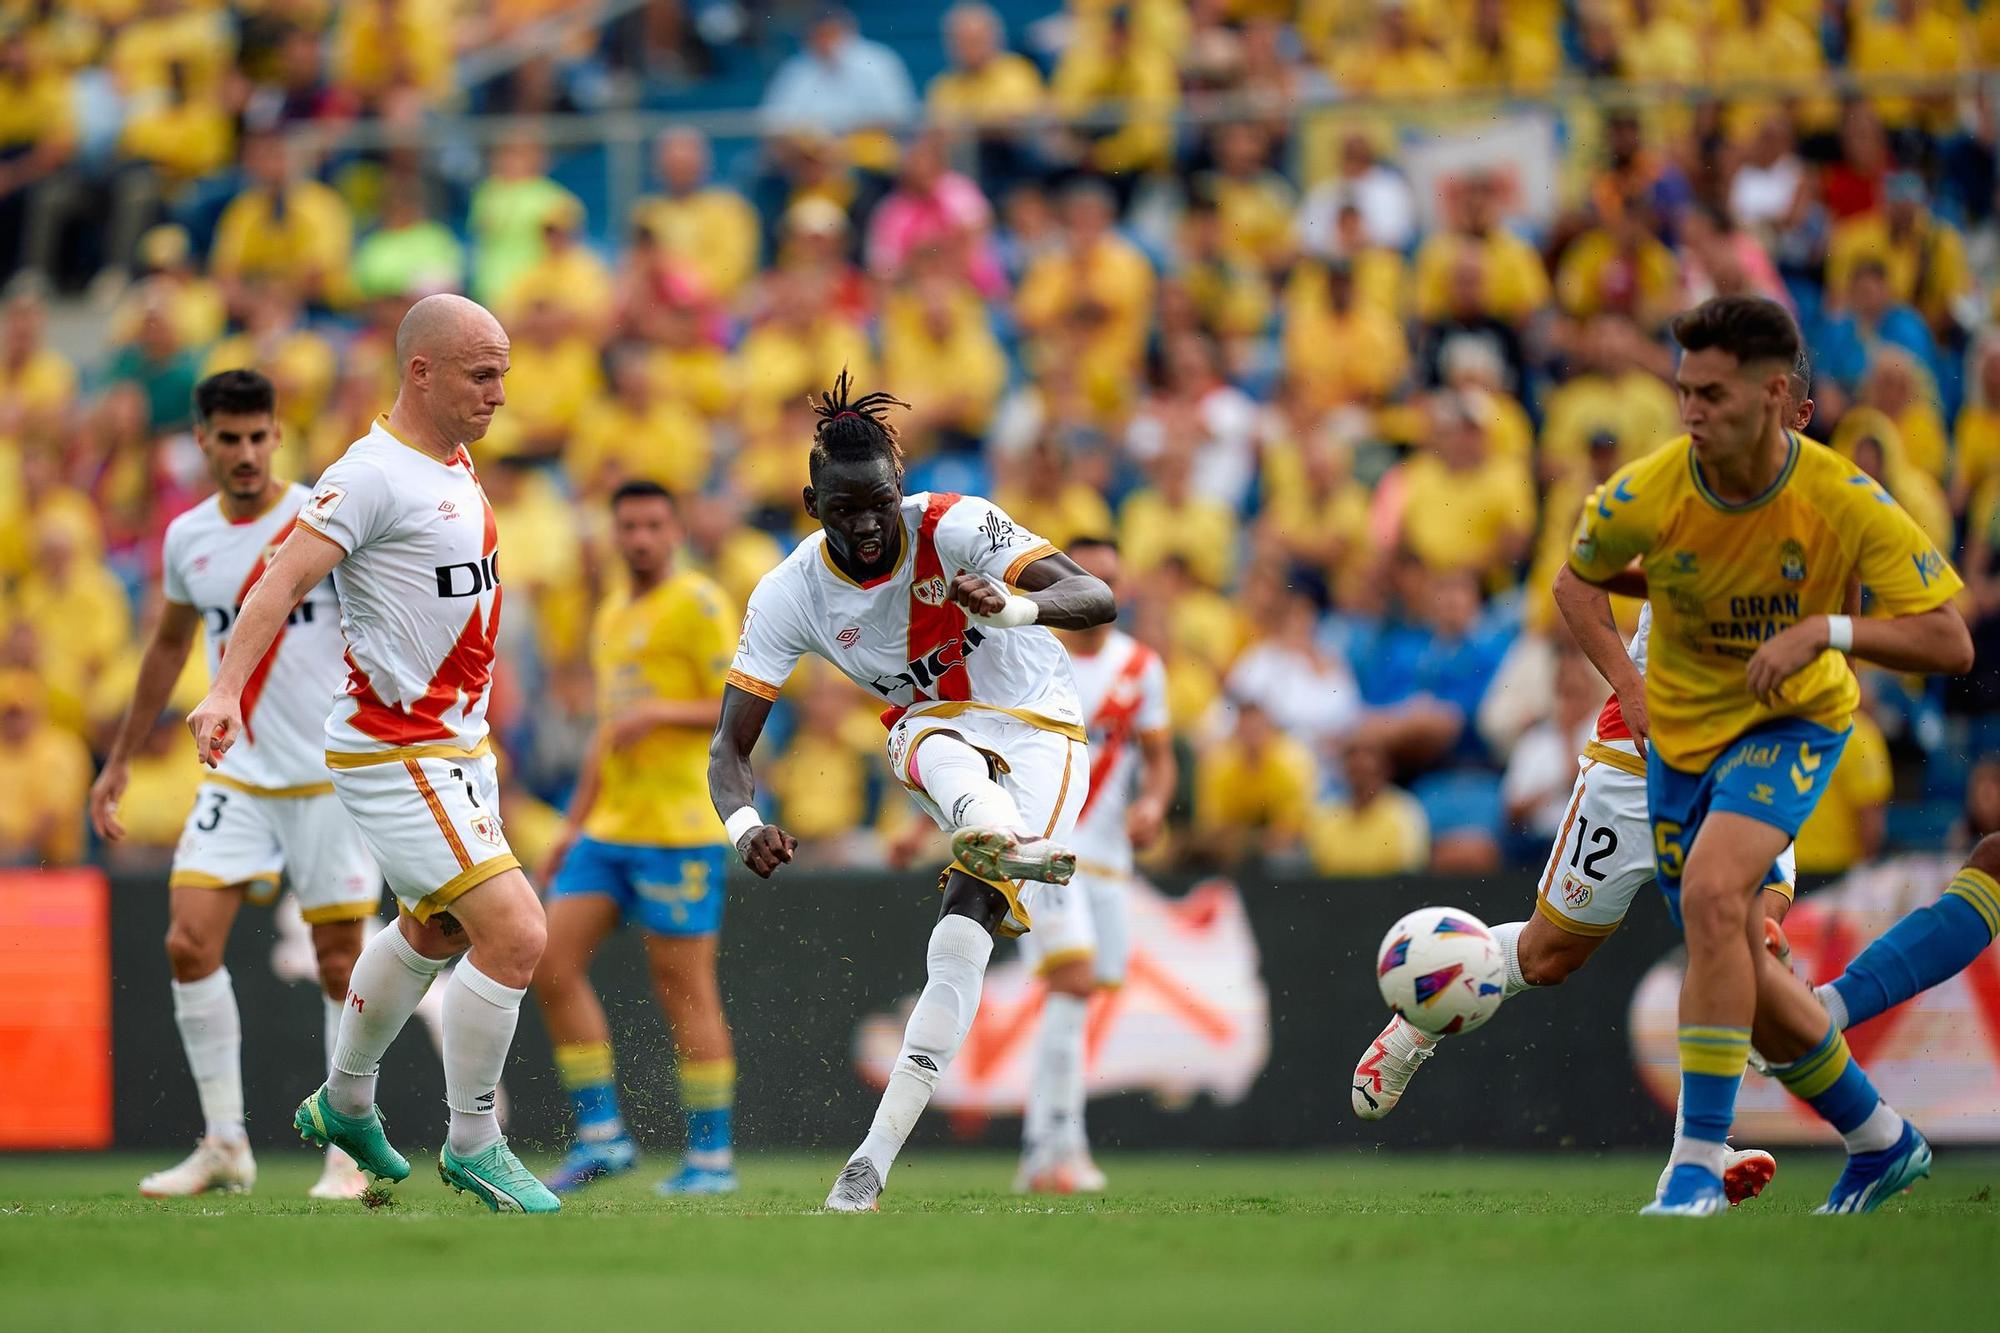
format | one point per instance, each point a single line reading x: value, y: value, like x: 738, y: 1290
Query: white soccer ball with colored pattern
x: 1442, y: 970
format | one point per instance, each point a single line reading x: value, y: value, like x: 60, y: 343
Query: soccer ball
x: 1441, y: 969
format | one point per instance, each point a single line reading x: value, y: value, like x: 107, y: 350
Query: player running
x: 643, y: 845
x: 1601, y: 859
x: 1750, y: 537
x: 268, y: 809
x: 908, y: 596
x: 1082, y: 936
x: 403, y: 518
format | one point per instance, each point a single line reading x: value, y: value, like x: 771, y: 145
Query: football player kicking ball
x: 268, y: 808
x: 1750, y: 538
x: 1082, y: 937
x: 403, y: 518
x: 1601, y: 859
x: 909, y: 596
x: 642, y: 845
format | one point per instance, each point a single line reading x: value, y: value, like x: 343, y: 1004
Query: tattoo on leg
x: 448, y: 925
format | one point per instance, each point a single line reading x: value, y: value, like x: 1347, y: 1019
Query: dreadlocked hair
x: 854, y: 429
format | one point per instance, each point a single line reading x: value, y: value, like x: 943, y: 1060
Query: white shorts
x: 1603, y: 855
x: 1085, y: 918
x: 238, y: 836
x: 1046, y: 772
x: 431, y: 814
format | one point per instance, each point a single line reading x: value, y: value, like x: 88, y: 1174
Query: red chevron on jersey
x: 937, y: 624
x: 253, y: 689
x: 1111, y: 727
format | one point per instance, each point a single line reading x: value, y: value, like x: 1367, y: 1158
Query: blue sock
x: 1712, y: 1060
x: 586, y: 1073
x: 1929, y: 945
x: 708, y: 1092
x: 1830, y: 1080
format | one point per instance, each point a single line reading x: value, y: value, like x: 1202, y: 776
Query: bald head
x: 451, y: 357
x: 442, y: 326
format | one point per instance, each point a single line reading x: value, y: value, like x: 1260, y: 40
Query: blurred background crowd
x: 1330, y: 311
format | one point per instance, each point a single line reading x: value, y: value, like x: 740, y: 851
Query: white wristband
x: 745, y: 820
x: 1019, y: 611
x: 1840, y: 633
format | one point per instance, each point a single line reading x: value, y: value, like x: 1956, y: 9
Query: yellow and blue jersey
x: 1723, y: 578
x: 672, y: 643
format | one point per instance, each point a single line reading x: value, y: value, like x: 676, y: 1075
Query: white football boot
x: 858, y: 1190
x: 213, y: 1165
x: 1385, y: 1071
x: 339, y: 1179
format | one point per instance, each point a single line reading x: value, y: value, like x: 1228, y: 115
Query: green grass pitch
x: 1337, y: 1240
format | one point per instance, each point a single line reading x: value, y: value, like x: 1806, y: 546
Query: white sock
x: 1703, y: 1153
x: 388, y: 979
x: 1509, y: 935
x: 938, y: 1024
x: 479, y: 1019
x: 1880, y: 1130
x: 212, y: 1036
x: 1403, y: 1038
x: 1829, y: 1000
x: 954, y: 776
x: 1055, y: 1084
x: 330, y: 1012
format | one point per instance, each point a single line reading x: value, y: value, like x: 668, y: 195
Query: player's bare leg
x: 336, y: 946
x: 577, y: 1028
x: 1055, y: 1156
x: 684, y: 978
x: 211, y: 1031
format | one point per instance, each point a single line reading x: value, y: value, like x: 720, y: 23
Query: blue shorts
x: 1774, y: 774
x: 667, y: 890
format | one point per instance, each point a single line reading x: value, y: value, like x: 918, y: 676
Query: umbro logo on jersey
x: 200, y: 563
x: 923, y: 1060
x: 448, y: 509
x: 847, y: 636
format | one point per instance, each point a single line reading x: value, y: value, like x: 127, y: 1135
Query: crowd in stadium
x: 1341, y: 431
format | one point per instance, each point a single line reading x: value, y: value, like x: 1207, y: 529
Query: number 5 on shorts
x: 1667, y: 848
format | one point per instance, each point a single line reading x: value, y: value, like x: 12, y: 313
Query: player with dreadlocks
x: 940, y: 606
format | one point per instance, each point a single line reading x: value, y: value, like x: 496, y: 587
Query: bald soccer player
x: 402, y: 518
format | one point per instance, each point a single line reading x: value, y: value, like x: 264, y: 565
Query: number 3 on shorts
x: 1667, y: 848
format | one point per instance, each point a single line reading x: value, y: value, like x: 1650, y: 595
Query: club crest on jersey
x: 1576, y: 894
x: 931, y: 591
x: 487, y: 829
x: 1792, y: 561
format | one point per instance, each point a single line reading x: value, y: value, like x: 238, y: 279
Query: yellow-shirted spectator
x: 168, y: 33
x: 1050, y: 500
x: 164, y: 779
x: 37, y: 383
x: 1923, y: 255
x: 1515, y: 285
x: 985, y: 83
x: 1909, y: 38
x: 1397, y: 60
x: 799, y: 347
x: 1612, y: 393
x: 77, y: 606
x: 1976, y: 457
x: 1470, y: 365
x: 768, y: 469
x: 1106, y: 68
x: 1255, y: 203
x: 1505, y: 50
x: 509, y: 210
x: 1338, y: 350
x: 1315, y: 512
x: 638, y: 433
x: 1379, y: 829
x: 1381, y: 278
x: 184, y: 135
x: 43, y: 500
x: 689, y: 368
x: 708, y: 229
x: 1254, y: 789
x: 1620, y: 268
x: 1097, y: 282
x: 384, y: 46
x: 1656, y: 47
x: 46, y: 772
x: 1459, y: 506
x: 568, y: 277
x: 544, y: 555
x: 553, y: 377
x: 821, y: 780
x: 1848, y: 825
x: 1168, y: 518
x: 935, y: 334
x: 1761, y: 43
x: 1898, y: 386
x: 302, y: 366
x: 1326, y: 27
x: 294, y: 231
x: 1873, y: 443
x: 1231, y: 295
x: 37, y: 119
x: 721, y: 545
x: 195, y: 305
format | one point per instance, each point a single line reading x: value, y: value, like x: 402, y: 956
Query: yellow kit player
x: 642, y: 844
x: 1749, y: 536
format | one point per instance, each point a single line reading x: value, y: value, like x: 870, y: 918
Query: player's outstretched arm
x: 732, y: 786
x: 1055, y: 592
x: 1586, y: 609
x: 300, y: 564
x: 1932, y: 643
x: 160, y: 666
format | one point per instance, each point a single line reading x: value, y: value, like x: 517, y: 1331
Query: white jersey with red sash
x: 1123, y: 687
x: 900, y: 637
x: 210, y: 562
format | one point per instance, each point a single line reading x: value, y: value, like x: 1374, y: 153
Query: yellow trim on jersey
x: 198, y: 879
x: 1757, y: 501
x: 1600, y: 753
x: 320, y: 916
x: 1026, y: 558
x: 1553, y: 915
x: 956, y: 707
x: 271, y: 793
x: 749, y: 684
x: 894, y: 565
x: 1786, y: 891
x: 345, y: 759
x: 460, y: 884
x: 309, y: 528
x: 1082, y: 953
x: 452, y: 840
x: 1062, y: 792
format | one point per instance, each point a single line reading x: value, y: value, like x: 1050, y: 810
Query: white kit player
x: 268, y: 809
x: 1082, y: 936
x: 1602, y: 857
x: 402, y: 523
x: 909, y: 597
